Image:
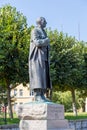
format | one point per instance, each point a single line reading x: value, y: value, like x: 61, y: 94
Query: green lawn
x: 15, y: 120
x: 9, y: 121
x: 70, y: 116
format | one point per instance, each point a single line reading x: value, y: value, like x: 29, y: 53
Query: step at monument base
x: 61, y: 129
x: 44, y: 125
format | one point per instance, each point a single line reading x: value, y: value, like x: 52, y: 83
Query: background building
x: 20, y: 95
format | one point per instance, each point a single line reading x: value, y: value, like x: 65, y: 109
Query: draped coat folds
x: 39, y: 60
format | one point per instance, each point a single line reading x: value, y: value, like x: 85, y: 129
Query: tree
x: 65, y: 98
x: 83, y: 91
x: 66, y: 63
x: 84, y: 67
x: 14, y: 44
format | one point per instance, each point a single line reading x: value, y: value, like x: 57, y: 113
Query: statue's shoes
x: 41, y: 98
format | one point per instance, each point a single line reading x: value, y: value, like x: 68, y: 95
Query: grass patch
x: 71, y: 116
x: 15, y: 120
x: 12, y: 121
x: 9, y: 121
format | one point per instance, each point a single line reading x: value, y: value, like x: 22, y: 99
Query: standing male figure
x: 39, y: 60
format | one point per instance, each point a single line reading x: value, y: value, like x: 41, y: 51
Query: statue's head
x: 41, y: 21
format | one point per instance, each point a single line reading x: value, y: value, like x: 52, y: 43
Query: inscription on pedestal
x: 55, y: 112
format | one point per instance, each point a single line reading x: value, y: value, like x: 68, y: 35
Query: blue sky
x: 68, y: 16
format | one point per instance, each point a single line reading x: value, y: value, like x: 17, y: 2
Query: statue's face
x: 43, y: 23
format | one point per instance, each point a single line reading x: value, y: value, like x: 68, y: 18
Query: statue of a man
x: 39, y: 60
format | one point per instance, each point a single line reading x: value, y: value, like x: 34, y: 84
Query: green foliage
x: 66, y: 61
x: 84, y: 67
x: 14, y: 45
x: 63, y: 98
x: 14, y: 40
x: 3, y: 97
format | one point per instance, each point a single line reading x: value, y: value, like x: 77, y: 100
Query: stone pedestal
x: 42, y: 116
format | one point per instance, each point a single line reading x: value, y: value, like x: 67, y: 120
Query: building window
x: 15, y: 92
x: 21, y: 92
x: 31, y: 93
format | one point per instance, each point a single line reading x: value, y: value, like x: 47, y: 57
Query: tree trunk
x: 9, y: 103
x: 49, y: 94
x: 83, y: 107
x: 74, y: 102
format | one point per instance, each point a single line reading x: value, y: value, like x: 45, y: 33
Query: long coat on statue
x: 39, y: 60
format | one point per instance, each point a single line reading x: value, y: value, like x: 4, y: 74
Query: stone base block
x: 44, y: 125
x: 40, y: 111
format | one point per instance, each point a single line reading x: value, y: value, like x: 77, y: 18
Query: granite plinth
x: 41, y: 111
x: 42, y: 116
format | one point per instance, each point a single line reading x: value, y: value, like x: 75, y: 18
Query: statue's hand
x: 47, y: 40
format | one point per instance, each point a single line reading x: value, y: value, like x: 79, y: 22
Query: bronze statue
x: 39, y: 60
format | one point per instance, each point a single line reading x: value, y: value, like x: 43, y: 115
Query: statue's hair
x: 38, y: 21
